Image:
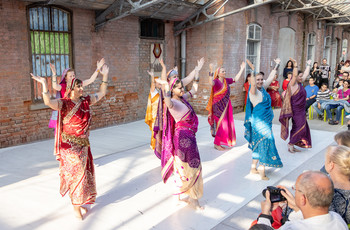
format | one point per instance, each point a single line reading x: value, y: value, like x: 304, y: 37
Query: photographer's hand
x: 290, y: 198
x: 266, y: 204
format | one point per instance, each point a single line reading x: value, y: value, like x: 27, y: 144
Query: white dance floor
x: 131, y: 194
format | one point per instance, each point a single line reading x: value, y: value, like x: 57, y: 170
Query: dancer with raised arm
x: 258, y: 124
x: 158, y: 124
x: 152, y: 106
x: 67, y: 76
x: 180, y: 155
x: 220, y: 109
x: 294, y: 108
x: 72, y: 146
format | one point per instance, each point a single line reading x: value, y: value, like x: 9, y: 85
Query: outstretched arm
x: 163, y: 75
x: 53, y: 104
x: 252, y: 78
x: 273, y: 73
x: 239, y: 74
x: 194, y: 88
x: 95, y: 74
x: 211, y: 74
x: 153, y: 85
x: 307, y: 70
x: 167, y: 93
x: 55, y: 86
x: 103, y: 89
x: 187, y: 80
x: 295, y: 72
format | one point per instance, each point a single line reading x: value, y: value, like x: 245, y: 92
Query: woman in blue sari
x: 258, y: 124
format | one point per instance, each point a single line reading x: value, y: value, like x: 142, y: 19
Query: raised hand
x: 42, y: 80
x: 105, y: 70
x: 242, y: 66
x: 309, y: 62
x: 250, y: 64
x: 53, y: 69
x: 266, y: 204
x: 151, y: 73
x: 277, y: 60
x: 176, y: 69
x: 200, y: 64
x: 100, y: 63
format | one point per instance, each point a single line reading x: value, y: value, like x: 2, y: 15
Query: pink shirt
x: 342, y: 94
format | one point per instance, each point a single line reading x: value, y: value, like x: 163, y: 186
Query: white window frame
x: 327, y: 48
x: 255, y: 38
x: 311, y: 42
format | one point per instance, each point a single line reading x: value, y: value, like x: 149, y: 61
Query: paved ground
x: 131, y: 194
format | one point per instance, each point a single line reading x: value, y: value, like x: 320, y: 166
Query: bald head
x: 317, y: 188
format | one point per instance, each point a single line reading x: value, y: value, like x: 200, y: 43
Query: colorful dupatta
x: 72, y: 149
x: 151, y: 114
x: 258, y: 131
x: 220, y: 116
x: 294, y: 107
x: 180, y: 153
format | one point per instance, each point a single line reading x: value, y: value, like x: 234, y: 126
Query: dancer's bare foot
x: 83, y: 210
x: 254, y: 171
x: 291, y: 149
x: 219, y: 147
x: 296, y: 150
x: 186, y: 199
x: 195, y: 204
x: 262, y: 174
x: 77, y: 211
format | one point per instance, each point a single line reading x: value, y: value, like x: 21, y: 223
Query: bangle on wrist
x: 97, y: 70
x: 106, y: 82
x: 47, y: 92
x: 211, y: 74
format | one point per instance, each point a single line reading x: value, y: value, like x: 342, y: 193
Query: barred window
x: 311, y: 41
x: 50, y: 42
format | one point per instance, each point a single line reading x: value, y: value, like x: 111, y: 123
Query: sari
x: 246, y: 88
x: 220, y: 115
x: 294, y: 107
x: 276, y: 100
x: 258, y: 132
x: 180, y: 155
x: 72, y: 149
x: 151, y: 114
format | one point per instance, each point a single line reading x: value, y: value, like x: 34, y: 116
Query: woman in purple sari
x: 294, y: 107
x: 220, y: 109
x: 180, y: 155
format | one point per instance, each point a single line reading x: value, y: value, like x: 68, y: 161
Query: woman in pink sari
x: 67, y: 75
x: 72, y: 147
x: 180, y: 155
x: 220, y: 109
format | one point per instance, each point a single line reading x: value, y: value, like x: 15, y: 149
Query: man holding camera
x: 313, y: 196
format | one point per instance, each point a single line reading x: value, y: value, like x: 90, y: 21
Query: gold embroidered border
x: 76, y: 140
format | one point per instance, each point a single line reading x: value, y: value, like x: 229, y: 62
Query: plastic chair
x: 311, y: 113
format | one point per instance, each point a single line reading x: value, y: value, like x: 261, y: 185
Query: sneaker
x: 320, y: 117
x: 331, y: 122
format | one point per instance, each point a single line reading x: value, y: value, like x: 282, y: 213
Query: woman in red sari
x: 220, y: 109
x: 273, y: 88
x: 72, y: 147
x: 246, y: 87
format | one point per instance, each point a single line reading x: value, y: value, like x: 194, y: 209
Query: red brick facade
x: 222, y: 41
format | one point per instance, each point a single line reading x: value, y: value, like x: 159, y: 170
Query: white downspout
x: 183, y: 54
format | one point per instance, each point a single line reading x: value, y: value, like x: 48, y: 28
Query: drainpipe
x: 183, y: 54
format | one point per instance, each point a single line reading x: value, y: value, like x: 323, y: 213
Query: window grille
x: 253, y: 46
x: 311, y: 46
x: 50, y: 42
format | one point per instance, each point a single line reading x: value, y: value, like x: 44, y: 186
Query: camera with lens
x: 275, y: 194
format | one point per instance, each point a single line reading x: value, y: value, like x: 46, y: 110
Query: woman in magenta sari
x: 294, y: 108
x: 158, y: 123
x: 180, y: 155
x: 72, y: 147
x: 220, y: 109
x: 67, y: 75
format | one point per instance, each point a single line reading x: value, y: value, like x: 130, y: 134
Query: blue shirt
x: 311, y: 90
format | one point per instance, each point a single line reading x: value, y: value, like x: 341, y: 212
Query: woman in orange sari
x: 152, y: 106
x: 72, y: 147
x: 273, y: 88
x: 220, y: 109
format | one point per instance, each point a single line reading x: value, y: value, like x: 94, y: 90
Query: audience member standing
x: 325, y: 72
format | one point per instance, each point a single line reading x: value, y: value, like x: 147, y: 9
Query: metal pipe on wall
x: 183, y: 54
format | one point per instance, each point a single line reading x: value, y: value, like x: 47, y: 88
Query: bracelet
x: 106, y: 82
x: 47, y: 92
x: 54, y: 81
x: 97, y: 70
x: 277, y: 66
x: 211, y: 74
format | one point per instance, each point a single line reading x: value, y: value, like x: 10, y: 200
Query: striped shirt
x: 326, y: 95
